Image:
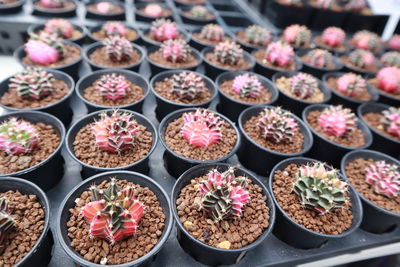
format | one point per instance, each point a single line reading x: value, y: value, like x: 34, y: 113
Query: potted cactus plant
x: 367, y: 40
x: 30, y: 147
x: 360, y: 61
x: 319, y: 61
x: 299, y: 36
x: 11, y: 6
x: 197, y: 15
x: 111, y: 28
x: 208, y: 35
x: 54, y: 8
x: 150, y: 11
x: 387, y: 83
x: 177, y: 89
x: 113, y: 88
x: 114, y: 218
x: 114, y: 52
x: 394, y: 42
x: 24, y: 203
x: 273, y: 133
x: 226, y: 56
x: 332, y: 39
x: 214, y: 198
x: 254, y: 37
x: 105, y: 10
x: 298, y: 90
x: 162, y: 30
x: 391, y: 59
x: 195, y: 136
x: 376, y: 178
x: 337, y: 130
x: 314, y: 203
x: 277, y: 57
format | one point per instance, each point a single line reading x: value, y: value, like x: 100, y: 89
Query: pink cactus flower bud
x: 104, y: 7
x: 162, y: 30
x: 351, y: 84
x: 394, y: 42
x: 247, y: 85
x: 391, y: 121
x: 337, y: 121
x: 333, y: 36
x: 297, y: 35
x: 61, y: 27
x: 389, y: 80
x: 153, y: 10
x: 280, y: 54
x: 113, y: 28
x: 384, y: 178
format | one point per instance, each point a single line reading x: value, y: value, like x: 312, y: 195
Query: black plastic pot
x: 293, y: 104
x: 13, y: 8
x: 165, y: 106
x: 231, y: 107
x: 323, y: 18
x: 89, y: 79
x: 150, y: 42
x: 200, y: 251
x: 49, y: 172
x: 98, y: 28
x: 72, y: 68
x: 176, y: 164
x: 381, y: 141
x: 356, y: 22
x: 93, y: 66
x: 338, y: 98
x: 383, y: 97
x: 195, y: 21
x: 318, y: 71
x: 259, y: 158
x: 40, y: 254
x: 35, y: 28
x: 140, y: 16
x: 297, y: 235
x: 60, y: 109
x: 92, y: 14
x: 212, y: 70
x: 87, y: 170
x: 199, y: 45
x: 269, y: 71
x: 376, y: 219
x: 55, y: 12
x: 293, y: 14
x: 157, y: 68
x: 137, y: 178
x: 329, y: 151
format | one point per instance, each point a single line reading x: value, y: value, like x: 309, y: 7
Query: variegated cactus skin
x: 366, y: 40
x: 333, y: 36
x: 18, y: 137
x: 228, y: 52
x: 112, y: 86
x: 389, y: 80
x: 320, y: 58
x: 118, y: 49
x: 224, y: 194
x: 201, y: 128
x: 394, y: 42
x: 199, y: 12
x: 32, y: 83
x: 113, y: 213
x: 351, y: 84
x: 297, y: 35
x: 52, y: 3
x: 115, y: 133
x: 361, y: 58
x: 61, y: 27
x: 175, y: 50
x: 279, y: 54
x: 44, y: 49
x: 337, y: 121
x: 391, y: 121
x: 258, y: 35
x: 303, y: 85
x: 391, y: 59
x: 384, y: 178
x: 212, y: 32
x: 164, y: 29
x: 188, y: 85
x: 277, y: 125
x: 247, y: 86
x: 114, y: 28
x: 153, y: 10
x: 320, y: 189
x: 7, y: 223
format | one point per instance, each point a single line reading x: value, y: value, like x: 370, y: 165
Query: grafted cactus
x: 391, y: 121
x: 361, y: 58
x: 112, y: 86
x: 391, y: 59
x: 337, y: 121
x: 164, y: 29
x: 297, y: 35
x: 175, y: 50
x: 228, y: 52
x: 258, y: 35
x: 212, y: 32
x: 7, y: 223
x: 384, y: 178
x: 247, y: 85
x: 118, y: 49
x: 389, y: 80
x: 279, y: 54
x: 32, y: 83
x: 60, y: 27
x: 188, y: 85
x: 199, y: 12
x: 44, y: 49
x: 320, y: 58
x: 366, y: 40
x: 303, y: 85
x: 351, y: 84
x: 114, y: 28
x: 333, y: 36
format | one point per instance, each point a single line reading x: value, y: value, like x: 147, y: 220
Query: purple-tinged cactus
x: 188, y: 85
x: 303, y: 85
x: 247, y: 85
x: 164, y: 29
x: 337, y: 121
x: 333, y: 36
x: 60, y: 27
x: 114, y: 28
x: 394, y: 42
x: 391, y: 59
x: 351, y: 84
x: 258, y: 35
x: 361, y: 58
x: 175, y: 50
x: 32, y: 83
x: 52, y: 3
x: 391, y: 121
x: 366, y: 40
x: 297, y: 35
x: 7, y: 223
x: 153, y: 10
x: 199, y: 12
x: 212, y: 32
x: 384, y: 178
x: 112, y: 86
x: 118, y: 49
x: 279, y: 54
x: 319, y: 58
x: 389, y: 80
x: 228, y: 52
x: 44, y: 49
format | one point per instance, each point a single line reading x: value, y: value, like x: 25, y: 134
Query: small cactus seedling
x: 394, y: 42
x: 258, y: 35
x: 188, y: 85
x: 351, y: 84
x: 320, y: 58
x: 60, y: 27
x: 389, y: 80
x: 44, y: 49
x: 212, y: 32
x: 228, y: 52
x: 175, y: 50
x: 326, y: 4
x: 303, y: 85
x: 247, y: 85
x: 391, y: 59
x: 52, y: 3
x: 366, y: 40
x: 223, y: 194
x: 391, y: 121
x: 32, y: 83
x: 279, y: 54
x: 201, y: 128
x: 113, y: 213
x: 277, y: 125
x: 384, y: 178
x: 118, y: 49
x: 337, y: 121
x: 115, y: 133
x: 153, y: 10
x: 164, y: 29
x: 320, y: 189
x: 356, y: 5
x: 361, y: 58
x: 199, y: 12
x: 114, y: 28
x: 17, y: 137
x: 297, y: 35
x: 333, y: 36
x: 112, y: 86
x: 7, y: 223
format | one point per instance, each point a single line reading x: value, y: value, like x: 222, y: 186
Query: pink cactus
x: 201, y: 128
x: 153, y: 10
x: 175, y: 50
x: 44, y: 49
x: 118, y: 49
x: 394, y: 42
x: 384, y: 178
x: 319, y: 58
x: 361, y: 58
x: 188, y: 85
x: 113, y: 86
x: 297, y: 35
x: 52, y: 3
x: 258, y: 35
x: 391, y: 59
x: 228, y: 52
x: 104, y: 7
x: 164, y: 29
x: 337, y: 121
x: 333, y: 36
x: 389, y: 80
x: 247, y: 85
x: 114, y: 28
x: 18, y: 137
x: 279, y: 54
x: 391, y: 121
x: 212, y: 32
x: 366, y: 40
x: 303, y: 85
x: 60, y: 27
x: 351, y: 84
x: 199, y: 12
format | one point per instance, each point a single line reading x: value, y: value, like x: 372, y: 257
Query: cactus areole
x: 7, y: 223
x: 384, y: 178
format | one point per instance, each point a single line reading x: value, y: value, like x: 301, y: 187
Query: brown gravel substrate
x: 157, y: 57
x: 164, y: 13
x: 134, y: 93
x: 240, y: 231
x: 355, y: 172
x: 100, y: 57
x: 150, y: 37
x: 11, y: 98
x: 335, y: 222
x: 175, y: 141
x: 146, y: 237
x: 130, y: 34
x: 252, y: 130
x: 374, y: 83
x: 259, y: 56
x: 369, y: 68
x: 355, y: 138
x: 283, y: 84
x: 75, y: 34
x: 48, y: 143
x: 197, y: 36
x: 265, y: 94
x: 209, y: 16
x: 243, y: 64
x: 71, y: 54
x: 29, y: 216
x: 374, y: 120
x: 364, y: 96
x: 86, y: 150
x: 116, y: 9
x: 329, y: 67
x: 319, y: 42
x: 67, y: 6
x: 164, y: 89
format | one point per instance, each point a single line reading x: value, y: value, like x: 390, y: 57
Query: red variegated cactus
x: 112, y: 86
x: 389, y: 80
x: 297, y: 35
x: 279, y: 54
x: 258, y: 35
x: 228, y: 52
x: 351, y: 84
x: 52, y: 3
x: 114, y: 28
x: 303, y: 85
x: 320, y: 58
x: 247, y: 85
x: 61, y: 27
x: 384, y: 178
x: 32, y: 83
x: 366, y: 40
x: 337, y: 121
x: 44, y: 49
x: 188, y: 85
x: 164, y: 29
x: 391, y: 121
x: 175, y: 50
x: 118, y: 48
x: 394, y: 42
x: 333, y: 36
x: 361, y: 58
